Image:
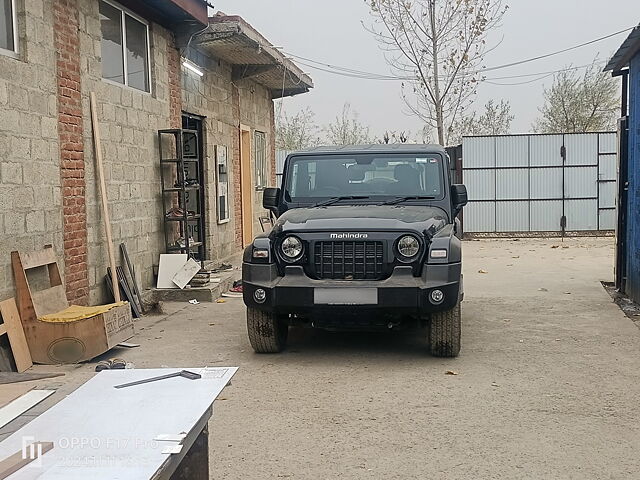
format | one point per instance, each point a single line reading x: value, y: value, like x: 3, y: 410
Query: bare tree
x: 297, y: 132
x: 392, y: 136
x: 575, y: 103
x: 438, y: 46
x: 346, y: 129
x: 495, y: 120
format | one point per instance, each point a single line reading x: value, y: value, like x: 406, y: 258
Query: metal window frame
x: 123, y: 26
x: 14, y: 28
x: 261, y: 163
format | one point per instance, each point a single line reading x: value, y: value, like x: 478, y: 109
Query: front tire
x: 444, y: 332
x: 267, y: 333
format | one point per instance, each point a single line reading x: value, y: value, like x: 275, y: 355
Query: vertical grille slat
x: 348, y: 260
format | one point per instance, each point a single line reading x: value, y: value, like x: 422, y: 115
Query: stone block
x: 11, y: 173
x: 35, y: 222
x: 14, y: 223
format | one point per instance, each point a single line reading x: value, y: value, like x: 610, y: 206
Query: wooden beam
x: 18, y: 460
x: 103, y: 194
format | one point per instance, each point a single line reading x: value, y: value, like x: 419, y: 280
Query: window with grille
x: 260, y: 157
x: 8, y: 39
x: 125, y: 47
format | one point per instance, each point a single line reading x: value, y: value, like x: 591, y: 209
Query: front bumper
x: 401, y: 293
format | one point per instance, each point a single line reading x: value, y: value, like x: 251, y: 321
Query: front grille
x: 348, y: 260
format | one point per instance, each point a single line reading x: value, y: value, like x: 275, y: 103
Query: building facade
x: 626, y: 63
x: 152, y: 66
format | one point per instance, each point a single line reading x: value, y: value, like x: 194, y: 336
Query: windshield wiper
x: 333, y: 200
x: 404, y: 199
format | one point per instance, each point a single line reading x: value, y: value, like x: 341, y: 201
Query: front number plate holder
x: 345, y: 296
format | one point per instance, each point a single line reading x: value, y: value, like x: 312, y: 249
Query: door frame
x: 246, y: 185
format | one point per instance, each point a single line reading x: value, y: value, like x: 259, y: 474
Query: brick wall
x: 30, y: 196
x: 237, y: 195
x: 175, y: 85
x: 67, y: 45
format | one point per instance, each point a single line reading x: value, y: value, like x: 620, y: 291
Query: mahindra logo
x: 349, y: 236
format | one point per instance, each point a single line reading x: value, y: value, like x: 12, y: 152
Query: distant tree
x: 298, y: 131
x: 438, y: 46
x: 495, y: 120
x: 576, y: 103
x: 346, y: 129
x: 391, y: 136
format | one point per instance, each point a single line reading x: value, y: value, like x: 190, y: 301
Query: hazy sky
x: 331, y: 31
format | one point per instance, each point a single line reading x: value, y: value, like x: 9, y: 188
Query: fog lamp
x: 260, y: 295
x: 436, y: 296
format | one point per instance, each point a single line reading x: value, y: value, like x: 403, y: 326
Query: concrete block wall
x: 30, y: 181
x: 129, y: 120
x: 227, y: 104
x: 48, y: 185
x: 210, y: 96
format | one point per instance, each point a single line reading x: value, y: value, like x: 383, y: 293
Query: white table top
x: 101, y: 432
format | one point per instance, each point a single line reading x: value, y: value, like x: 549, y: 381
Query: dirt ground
x: 546, y: 386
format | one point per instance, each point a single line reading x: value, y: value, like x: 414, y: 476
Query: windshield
x: 379, y: 177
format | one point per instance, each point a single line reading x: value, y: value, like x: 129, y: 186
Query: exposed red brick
x: 67, y: 42
x: 235, y: 158
x: 175, y: 87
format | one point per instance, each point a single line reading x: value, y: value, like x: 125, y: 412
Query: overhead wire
x: 364, y: 75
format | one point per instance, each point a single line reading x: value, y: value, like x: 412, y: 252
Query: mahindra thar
x: 366, y: 237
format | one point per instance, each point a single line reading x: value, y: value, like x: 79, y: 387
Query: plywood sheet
x: 15, y: 332
x: 118, y: 425
x: 8, y: 393
x: 170, y: 264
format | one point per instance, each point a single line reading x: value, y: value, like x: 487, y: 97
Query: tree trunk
x: 436, y: 78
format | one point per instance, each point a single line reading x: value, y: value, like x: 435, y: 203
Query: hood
x: 354, y: 218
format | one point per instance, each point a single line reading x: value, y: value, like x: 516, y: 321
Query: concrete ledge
x: 207, y: 294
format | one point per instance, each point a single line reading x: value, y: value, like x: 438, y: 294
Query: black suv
x: 365, y: 238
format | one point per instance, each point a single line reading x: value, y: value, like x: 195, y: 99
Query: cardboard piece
x: 170, y: 264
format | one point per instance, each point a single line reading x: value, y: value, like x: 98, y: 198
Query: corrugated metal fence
x: 540, y: 183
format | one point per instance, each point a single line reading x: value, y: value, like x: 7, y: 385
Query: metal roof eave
x: 629, y: 48
x: 234, y: 41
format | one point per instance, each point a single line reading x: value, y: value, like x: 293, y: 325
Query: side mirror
x: 458, y: 197
x: 270, y: 198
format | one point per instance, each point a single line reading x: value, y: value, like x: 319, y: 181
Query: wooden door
x: 246, y: 185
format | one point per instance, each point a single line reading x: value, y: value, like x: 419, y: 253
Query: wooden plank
x: 246, y: 185
x: 13, y: 377
x: 103, y: 192
x: 39, y: 258
x: 15, y: 332
x: 18, y: 460
x: 8, y: 393
x: 20, y: 405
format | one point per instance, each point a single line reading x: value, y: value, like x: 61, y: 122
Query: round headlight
x: 408, y: 246
x: 291, y: 247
